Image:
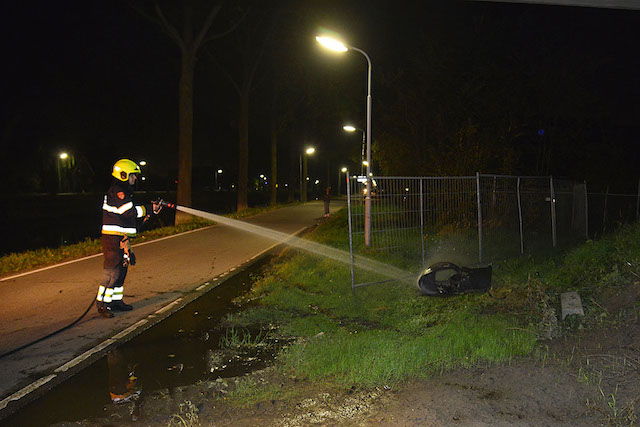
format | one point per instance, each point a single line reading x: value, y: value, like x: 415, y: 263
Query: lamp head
x: 332, y: 44
x: 349, y: 128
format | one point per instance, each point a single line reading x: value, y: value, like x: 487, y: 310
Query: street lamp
x: 61, y: 158
x: 143, y: 163
x: 342, y: 170
x: 350, y: 128
x: 303, y: 172
x: 338, y: 46
x: 216, y: 173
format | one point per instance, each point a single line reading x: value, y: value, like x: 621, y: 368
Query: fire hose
x: 161, y: 203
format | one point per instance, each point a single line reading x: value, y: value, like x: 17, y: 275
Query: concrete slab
x: 571, y: 303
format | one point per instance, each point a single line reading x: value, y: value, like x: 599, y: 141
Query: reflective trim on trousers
x: 118, y: 293
x: 100, y: 293
x: 108, y: 295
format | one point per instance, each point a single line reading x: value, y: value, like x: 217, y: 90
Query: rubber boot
x: 104, y: 309
x: 121, y: 306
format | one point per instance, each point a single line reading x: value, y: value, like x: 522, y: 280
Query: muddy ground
x: 586, y: 378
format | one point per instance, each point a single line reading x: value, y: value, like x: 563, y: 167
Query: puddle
x: 181, y: 350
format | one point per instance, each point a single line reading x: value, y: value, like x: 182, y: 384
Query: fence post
x: 520, y: 219
x: 586, y: 211
x: 479, y: 217
x: 353, y: 279
x: 422, y: 221
x: 553, y: 212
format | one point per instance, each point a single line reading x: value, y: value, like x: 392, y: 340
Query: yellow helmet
x: 123, y: 168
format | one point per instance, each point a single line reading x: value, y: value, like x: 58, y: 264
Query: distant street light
x: 303, y: 172
x: 338, y: 46
x: 216, y: 173
x: 342, y: 170
x: 350, y: 128
x: 143, y: 163
x: 61, y: 158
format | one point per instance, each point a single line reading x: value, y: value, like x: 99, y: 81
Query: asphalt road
x: 39, y: 303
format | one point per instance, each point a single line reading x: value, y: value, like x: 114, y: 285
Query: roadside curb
x: 52, y: 378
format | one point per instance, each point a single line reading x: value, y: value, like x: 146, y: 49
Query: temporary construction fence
x: 476, y: 219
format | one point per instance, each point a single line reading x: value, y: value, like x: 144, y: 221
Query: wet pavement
x: 170, y: 274
x: 187, y: 347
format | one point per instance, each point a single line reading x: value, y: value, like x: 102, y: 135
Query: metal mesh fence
x: 416, y: 221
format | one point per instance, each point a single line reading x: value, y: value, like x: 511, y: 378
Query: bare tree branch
x: 227, y: 31
x: 207, y: 24
x: 171, y: 31
x: 228, y: 75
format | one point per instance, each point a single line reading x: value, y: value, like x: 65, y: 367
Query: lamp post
x: 61, y: 158
x: 342, y: 170
x: 338, y: 46
x: 350, y: 128
x: 216, y: 173
x: 303, y: 172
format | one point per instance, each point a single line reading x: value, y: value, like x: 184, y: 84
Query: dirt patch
x: 586, y: 378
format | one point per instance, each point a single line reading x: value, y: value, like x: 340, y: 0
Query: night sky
x: 99, y: 80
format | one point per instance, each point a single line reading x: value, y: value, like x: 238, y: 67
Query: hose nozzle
x: 159, y: 204
x: 166, y: 204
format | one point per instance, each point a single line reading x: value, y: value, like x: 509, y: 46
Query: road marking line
x: 96, y: 255
x: 131, y: 328
x: 202, y: 286
x: 26, y: 390
x: 84, y: 356
x: 168, y: 306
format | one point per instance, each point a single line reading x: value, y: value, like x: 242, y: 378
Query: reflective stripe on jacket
x: 119, y: 214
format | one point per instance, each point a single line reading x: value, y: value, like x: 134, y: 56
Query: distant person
x: 327, y: 200
x: 119, y: 216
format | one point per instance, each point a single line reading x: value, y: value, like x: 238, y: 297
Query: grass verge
x: 388, y: 333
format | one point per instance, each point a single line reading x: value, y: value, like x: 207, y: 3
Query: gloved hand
x: 128, y: 257
x: 157, y: 206
x: 125, y: 244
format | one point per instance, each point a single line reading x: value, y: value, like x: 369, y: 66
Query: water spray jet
x: 385, y: 270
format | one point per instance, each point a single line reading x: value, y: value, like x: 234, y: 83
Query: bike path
x: 168, y: 272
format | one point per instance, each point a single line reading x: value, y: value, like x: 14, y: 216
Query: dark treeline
x: 458, y: 88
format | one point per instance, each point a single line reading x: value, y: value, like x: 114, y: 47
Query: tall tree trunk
x: 243, y: 151
x: 185, y: 113
x: 273, y: 179
x: 291, y: 179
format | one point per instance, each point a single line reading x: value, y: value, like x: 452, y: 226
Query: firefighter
x: 119, y: 216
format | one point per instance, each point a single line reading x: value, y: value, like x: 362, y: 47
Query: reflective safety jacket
x: 119, y: 214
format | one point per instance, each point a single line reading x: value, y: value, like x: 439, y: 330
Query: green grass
x: 388, y: 333
x: 28, y: 260
x: 248, y: 391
